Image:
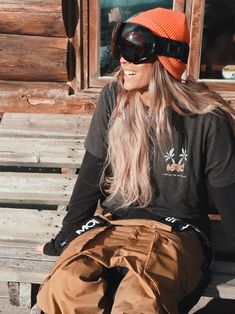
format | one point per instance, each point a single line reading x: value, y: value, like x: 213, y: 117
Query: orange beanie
x: 170, y: 24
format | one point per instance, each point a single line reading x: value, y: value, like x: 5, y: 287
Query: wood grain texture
x: 45, y: 125
x: 26, y: 22
x: 196, y: 37
x: 35, y: 152
x: 33, y: 58
x: 36, y: 188
x: 27, y: 226
x: 46, y: 97
x: 178, y: 5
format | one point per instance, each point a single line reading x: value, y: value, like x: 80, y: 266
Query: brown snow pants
x: 164, y: 267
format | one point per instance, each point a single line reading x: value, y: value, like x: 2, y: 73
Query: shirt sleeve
x: 224, y: 200
x: 96, y: 140
x: 220, y: 153
x: 82, y: 205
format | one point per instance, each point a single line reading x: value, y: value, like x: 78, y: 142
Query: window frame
x: 195, y: 10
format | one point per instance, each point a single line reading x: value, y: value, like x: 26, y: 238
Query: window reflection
x: 218, y: 44
x: 114, y: 11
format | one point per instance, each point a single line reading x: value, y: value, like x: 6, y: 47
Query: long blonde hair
x: 133, y: 130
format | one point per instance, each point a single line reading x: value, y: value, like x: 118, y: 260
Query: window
x: 218, y: 41
x: 102, y: 16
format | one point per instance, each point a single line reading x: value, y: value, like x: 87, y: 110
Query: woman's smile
x: 136, y: 76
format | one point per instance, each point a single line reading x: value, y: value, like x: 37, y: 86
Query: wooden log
x: 81, y: 104
x: 33, y: 89
x: 44, y: 17
x: 31, y: 5
x: 44, y: 97
x: 33, y: 58
x: 40, y: 24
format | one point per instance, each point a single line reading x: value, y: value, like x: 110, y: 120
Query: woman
x: 155, y: 147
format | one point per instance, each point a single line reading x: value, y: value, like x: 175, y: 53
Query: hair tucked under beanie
x: 170, y: 24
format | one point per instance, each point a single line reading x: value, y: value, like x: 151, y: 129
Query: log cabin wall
x: 38, y: 58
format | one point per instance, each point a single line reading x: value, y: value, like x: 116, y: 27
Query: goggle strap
x: 172, y: 48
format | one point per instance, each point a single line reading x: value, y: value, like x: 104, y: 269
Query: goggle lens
x: 133, y: 42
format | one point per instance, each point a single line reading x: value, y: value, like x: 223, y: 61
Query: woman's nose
x: 122, y: 60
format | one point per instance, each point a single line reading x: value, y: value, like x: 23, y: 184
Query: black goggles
x: 138, y: 44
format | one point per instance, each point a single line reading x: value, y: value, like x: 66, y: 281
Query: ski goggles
x: 138, y: 44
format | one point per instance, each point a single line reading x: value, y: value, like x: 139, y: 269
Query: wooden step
x: 41, y: 152
x: 36, y: 188
x: 23, y: 263
x: 45, y: 125
x: 28, y: 226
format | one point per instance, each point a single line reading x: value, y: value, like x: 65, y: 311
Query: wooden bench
x: 33, y: 204
x: 39, y: 156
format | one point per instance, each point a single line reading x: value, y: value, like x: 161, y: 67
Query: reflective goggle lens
x: 133, y: 42
x: 138, y: 44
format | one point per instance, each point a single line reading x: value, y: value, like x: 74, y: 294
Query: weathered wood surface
x: 33, y: 58
x: 31, y: 5
x: 36, y: 188
x: 32, y: 89
x: 34, y: 152
x: 33, y: 104
x: 25, y: 270
x: 45, y: 125
x: 27, y: 225
x: 179, y: 5
x: 46, y: 97
x: 20, y: 294
x: 13, y: 21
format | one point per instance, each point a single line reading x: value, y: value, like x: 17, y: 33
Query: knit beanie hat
x: 169, y: 24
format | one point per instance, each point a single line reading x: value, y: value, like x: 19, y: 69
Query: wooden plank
x: 197, y: 15
x: 23, y: 270
x: 16, y: 250
x: 33, y: 58
x: 45, y: 152
x: 45, y: 125
x: 21, y: 262
x: 27, y: 225
x: 178, y: 5
x: 36, y: 188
